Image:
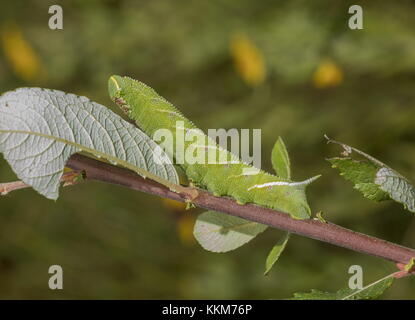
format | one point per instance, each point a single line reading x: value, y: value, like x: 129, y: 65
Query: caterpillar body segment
x: 232, y: 177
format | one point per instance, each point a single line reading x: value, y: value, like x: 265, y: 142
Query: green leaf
x: 275, y: 252
x: 374, y: 179
x: 40, y: 129
x: 282, y: 167
x: 370, y: 292
x: 219, y: 232
x: 363, y: 176
x: 280, y: 160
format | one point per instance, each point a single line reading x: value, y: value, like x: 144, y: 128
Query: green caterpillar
x: 235, y: 179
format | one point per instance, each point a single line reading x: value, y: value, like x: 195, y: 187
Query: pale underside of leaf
x: 219, y: 232
x: 397, y: 187
x: 40, y: 129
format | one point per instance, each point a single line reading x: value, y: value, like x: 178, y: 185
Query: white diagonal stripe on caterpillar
x: 282, y: 183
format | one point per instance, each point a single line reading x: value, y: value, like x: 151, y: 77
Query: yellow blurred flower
x: 185, y: 220
x: 185, y: 228
x: 248, y: 60
x: 173, y: 205
x: 327, y: 74
x: 21, y: 56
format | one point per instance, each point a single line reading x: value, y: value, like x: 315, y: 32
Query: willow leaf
x: 275, y: 252
x: 280, y: 160
x: 282, y: 167
x: 370, y: 292
x: 40, y: 129
x: 374, y: 179
x: 219, y: 232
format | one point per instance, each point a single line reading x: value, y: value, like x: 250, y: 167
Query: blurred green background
x: 293, y: 69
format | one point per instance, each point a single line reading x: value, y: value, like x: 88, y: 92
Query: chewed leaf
x: 370, y: 292
x: 40, y: 129
x: 363, y: 176
x: 219, y: 232
x: 280, y: 160
x: 275, y: 252
x: 374, y: 179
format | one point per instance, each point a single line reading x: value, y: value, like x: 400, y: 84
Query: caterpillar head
x: 118, y: 89
x: 141, y: 103
x: 128, y: 93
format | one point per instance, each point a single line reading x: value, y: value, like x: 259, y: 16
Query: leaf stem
x: 369, y: 285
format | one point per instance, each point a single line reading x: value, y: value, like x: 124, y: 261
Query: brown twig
x: 68, y: 179
x: 326, y: 232
x: 7, y: 187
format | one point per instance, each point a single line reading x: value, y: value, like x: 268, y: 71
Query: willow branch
x: 7, y: 187
x: 326, y: 232
x: 68, y: 179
